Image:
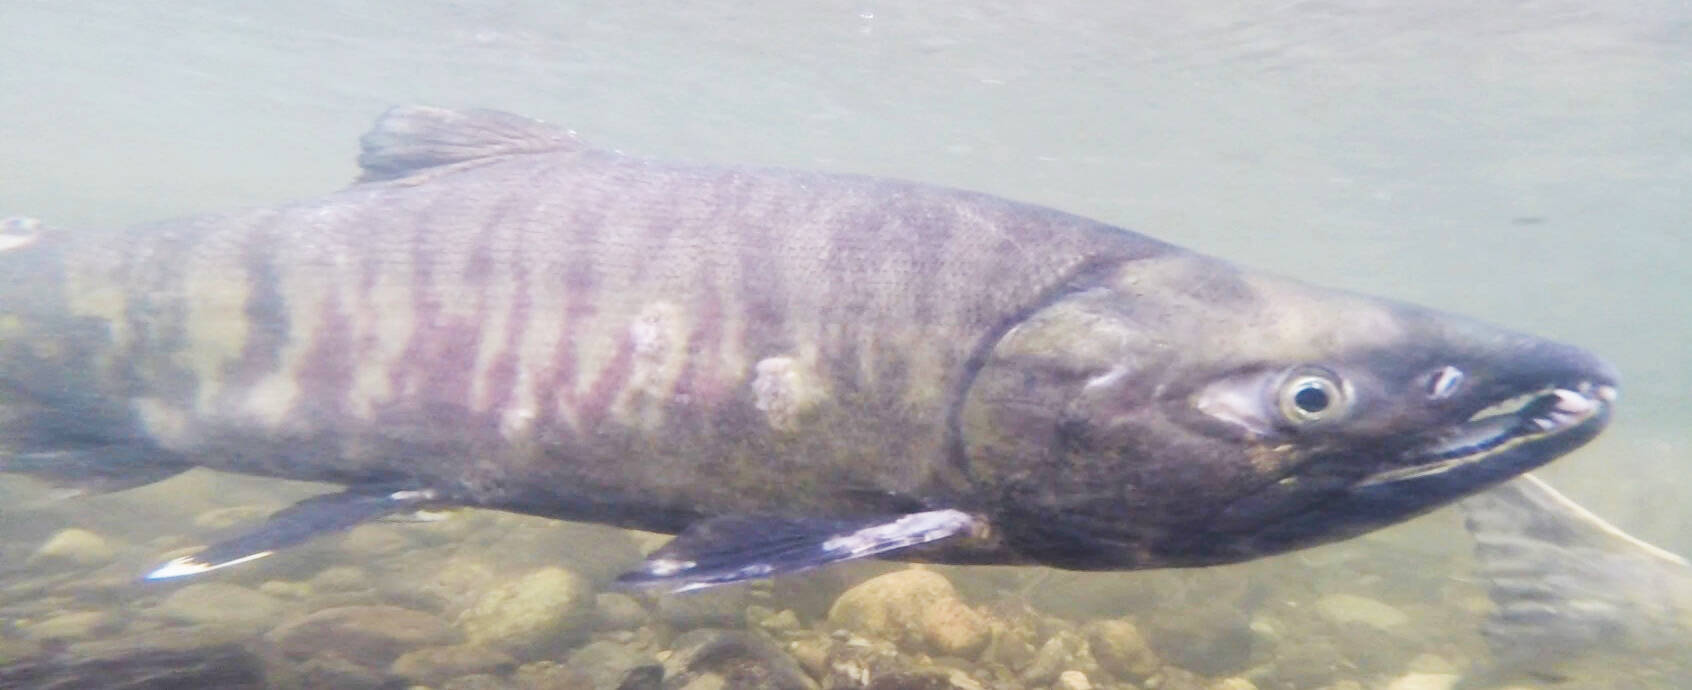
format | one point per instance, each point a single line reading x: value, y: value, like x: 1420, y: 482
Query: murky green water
x: 1529, y: 163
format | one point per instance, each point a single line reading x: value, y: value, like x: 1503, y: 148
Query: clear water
x: 1525, y: 162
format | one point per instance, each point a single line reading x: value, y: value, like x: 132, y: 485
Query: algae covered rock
x: 75, y: 547
x: 435, y: 665
x: 913, y: 607
x: 221, y: 603
x: 544, y: 611
x: 1073, y: 680
x: 608, y: 665
x: 1342, y: 609
x: 371, y: 637
x: 722, y: 607
x: 713, y: 658
x: 75, y: 625
x: 613, y: 611
x: 1121, y: 650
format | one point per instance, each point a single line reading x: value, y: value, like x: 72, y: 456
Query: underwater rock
x: 446, y: 586
x: 71, y: 626
x: 368, y: 636
x: 338, y: 673
x: 75, y: 625
x: 1121, y: 650
x: 606, y: 665
x: 286, y: 589
x: 75, y: 547
x: 476, y: 681
x: 220, y: 603
x: 225, y: 518
x: 858, y: 663
x: 550, y: 675
x: 723, y: 607
x: 952, y: 628
x: 1214, y: 640
x: 226, y: 667
x: 1085, y: 595
x: 545, y: 611
x: 913, y: 607
x: 434, y: 665
x: 1233, y: 683
x: 710, y: 657
x: 184, y: 639
x: 811, y: 651
x: 782, y: 621
x: 1308, y: 663
x: 1431, y: 663
x: 375, y: 540
x: 595, y: 552
x: 340, y: 578
x: 1065, y: 651
x: 1012, y: 643
x: 1073, y: 680
x: 1423, y: 681
x: 1341, y: 609
x: 613, y: 611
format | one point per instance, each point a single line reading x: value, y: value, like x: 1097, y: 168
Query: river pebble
x: 543, y: 612
x: 369, y: 636
x: 913, y: 607
x: 1342, y: 609
x: 74, y: 547
x: 220, y: 603
x: 435, y: 665
x: 1121, y: 650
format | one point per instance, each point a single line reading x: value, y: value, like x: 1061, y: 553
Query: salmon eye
x: 1310, y: 395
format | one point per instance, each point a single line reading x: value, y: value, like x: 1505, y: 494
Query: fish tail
x: 1568, y: 586
x: 55, y: 423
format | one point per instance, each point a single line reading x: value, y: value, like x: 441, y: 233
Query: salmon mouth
x: 1516, y: 424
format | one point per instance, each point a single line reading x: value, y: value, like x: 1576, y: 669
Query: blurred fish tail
x: 1575, y: 597
x: 54, y: 422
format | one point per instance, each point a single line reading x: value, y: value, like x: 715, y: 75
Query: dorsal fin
x: 411, y: 138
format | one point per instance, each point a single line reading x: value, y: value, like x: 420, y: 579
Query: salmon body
x: 500, y: 316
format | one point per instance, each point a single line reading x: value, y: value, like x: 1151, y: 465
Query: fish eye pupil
x: 1311, y: 399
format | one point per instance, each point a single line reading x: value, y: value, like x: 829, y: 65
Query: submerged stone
x: 75, y: 625
x: 1351, y: 608
x: 369, y: 636
x: 712, y: 658
x: 914, y: 607
x: 1121, y: 650
x: 75, y: 547
x: 611, y: 666
x: 221, y: 603
x: 723, y: 607
x: 613, y: 611
x: 434, y: 665
x: 545, y: 611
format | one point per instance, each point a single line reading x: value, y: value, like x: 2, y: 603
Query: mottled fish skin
x: 507, y: 318
x: 582, y: 305
x: 1577, y: 600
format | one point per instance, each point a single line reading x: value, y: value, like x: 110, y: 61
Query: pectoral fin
x: 297, y: 523
x: 732, y: 549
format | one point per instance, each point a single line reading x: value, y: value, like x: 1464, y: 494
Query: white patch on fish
x: 658, y: 336
x: 17, y: 232
x: 165, y: 424
x: 783, y: 390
